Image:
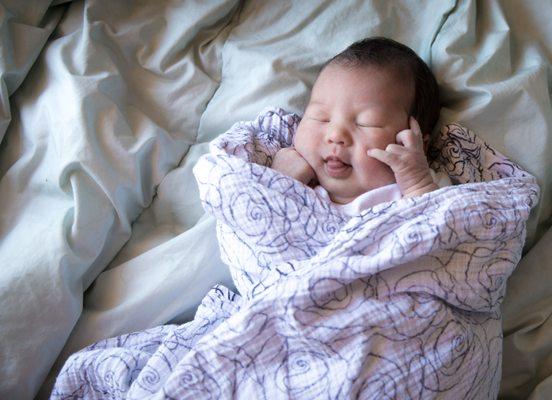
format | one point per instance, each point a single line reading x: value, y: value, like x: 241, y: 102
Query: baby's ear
x: 425, y: 138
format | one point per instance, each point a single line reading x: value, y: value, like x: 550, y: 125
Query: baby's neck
x: 341, y: 200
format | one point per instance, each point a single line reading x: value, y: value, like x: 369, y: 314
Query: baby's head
x: 362, y: 98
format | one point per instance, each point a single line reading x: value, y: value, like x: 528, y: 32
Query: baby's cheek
x: 383, y: 142
x: 370, y: 164
x: 300, y: 148
x: 298, y: 138
x: 375, y: 173
x: 304, y: 145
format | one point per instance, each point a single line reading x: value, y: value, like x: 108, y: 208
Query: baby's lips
x: 336, y: 168
x: 335, y: 161
x: 335, y: 164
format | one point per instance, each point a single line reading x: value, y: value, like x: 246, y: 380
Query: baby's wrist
x: 421, y: 189
x: 293, y: 167
x: 303, y: 177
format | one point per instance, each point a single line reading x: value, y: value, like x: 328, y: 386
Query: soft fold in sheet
x: 109, y: 108
x: 105, y: 126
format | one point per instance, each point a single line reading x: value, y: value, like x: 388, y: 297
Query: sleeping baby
x: 401, y: 300
x: 366, y: 128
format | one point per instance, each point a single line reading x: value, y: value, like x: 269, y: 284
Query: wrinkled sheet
x: 112, y: 105
x: 402, y: 301
x: 105, y: 126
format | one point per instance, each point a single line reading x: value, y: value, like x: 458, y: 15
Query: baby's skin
x: 406, y: 158
x: 357, y: 135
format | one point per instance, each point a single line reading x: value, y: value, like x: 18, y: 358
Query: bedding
x: 402, y: 301
x: 106, y: 106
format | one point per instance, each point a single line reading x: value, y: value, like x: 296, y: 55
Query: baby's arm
x: 289, y: 162
x: 408, y: 161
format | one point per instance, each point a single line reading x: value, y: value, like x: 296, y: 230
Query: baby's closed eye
x: 318, y: 117
x: 369, y: 125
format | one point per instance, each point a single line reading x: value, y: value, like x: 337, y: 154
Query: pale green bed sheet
x: 98, y: 140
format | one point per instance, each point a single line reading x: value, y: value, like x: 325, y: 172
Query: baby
x: 367, y: 125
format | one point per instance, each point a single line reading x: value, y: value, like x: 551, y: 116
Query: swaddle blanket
x: 401, y: 301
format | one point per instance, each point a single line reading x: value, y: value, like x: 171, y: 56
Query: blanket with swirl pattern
x: 401, y: 301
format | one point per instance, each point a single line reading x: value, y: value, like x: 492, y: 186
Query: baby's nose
x: 338, y: 135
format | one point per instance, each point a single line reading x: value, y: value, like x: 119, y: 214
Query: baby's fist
x: 289, y: 162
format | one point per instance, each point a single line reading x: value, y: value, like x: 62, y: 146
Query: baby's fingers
x: 415, y: 126
x: 385, y: 157
x: 411, y: 138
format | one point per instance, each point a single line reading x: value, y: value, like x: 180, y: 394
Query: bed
x: 106, y: 106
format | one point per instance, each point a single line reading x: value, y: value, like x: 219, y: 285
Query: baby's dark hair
x: 384, y: 52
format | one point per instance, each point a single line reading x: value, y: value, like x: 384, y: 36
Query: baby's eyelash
x: 369, y: 126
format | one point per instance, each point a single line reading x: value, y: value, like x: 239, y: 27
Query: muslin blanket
x: 402, y: 301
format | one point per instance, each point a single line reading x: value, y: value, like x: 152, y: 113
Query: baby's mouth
x: 335, y: 167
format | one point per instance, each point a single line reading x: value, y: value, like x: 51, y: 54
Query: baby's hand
x: 408, y: 161
x: 289, y: 162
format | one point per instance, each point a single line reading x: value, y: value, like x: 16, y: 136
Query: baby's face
x: 350, y: 111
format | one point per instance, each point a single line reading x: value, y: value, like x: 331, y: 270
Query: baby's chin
x: 347, y: 194
x: 343, y: 191
x: 343, y: 198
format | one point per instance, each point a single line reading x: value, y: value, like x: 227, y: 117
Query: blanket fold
x: 401, y: 301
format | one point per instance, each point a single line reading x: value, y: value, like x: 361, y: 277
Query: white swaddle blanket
x: 402, y: 301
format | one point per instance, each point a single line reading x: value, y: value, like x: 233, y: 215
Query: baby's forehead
x: 402, y: 74
x: 386, y: 78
